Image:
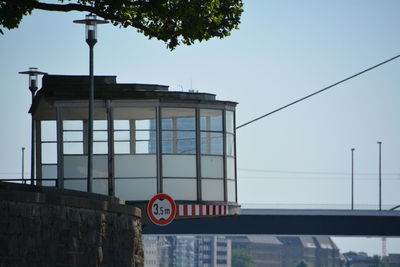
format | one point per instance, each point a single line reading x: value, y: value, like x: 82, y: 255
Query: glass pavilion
x: 147, y: 140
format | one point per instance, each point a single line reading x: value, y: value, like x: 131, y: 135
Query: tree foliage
x: 173, y: 21
x: 241, y: 258
x: 302, y: 264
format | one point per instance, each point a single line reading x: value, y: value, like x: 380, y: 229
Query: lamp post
x: 91, y: 39
x: 33, y: 86
x: 23, y: 169
x: 380, y: 175
x: 352, y: 179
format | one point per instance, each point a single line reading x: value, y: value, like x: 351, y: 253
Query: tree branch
x: 84, y: 8
x: 63, y: 8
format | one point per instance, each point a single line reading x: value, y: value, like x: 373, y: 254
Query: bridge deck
x: 288, y: 222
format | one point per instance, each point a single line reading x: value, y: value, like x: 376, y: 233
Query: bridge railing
x: 316, y: 206
x: 44, y: 182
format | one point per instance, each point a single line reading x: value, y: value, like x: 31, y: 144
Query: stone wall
x: 50, y: 227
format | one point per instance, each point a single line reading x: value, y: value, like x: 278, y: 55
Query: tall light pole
x: 33, y: 86
x: 91, y: 39
x: 23, y: 169
x: 380, y: 175
x: 352, y: 179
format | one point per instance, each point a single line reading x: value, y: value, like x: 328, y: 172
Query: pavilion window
x: 230, y: 156
x: 48, y: 152
x: 100, y: 137
x: 122, y: 137
x: 211, y: 150
x: 73, y: 137
x: 135, y: 148
x: 178, y: 147
x: 145, y: 136
x: 178, y: 131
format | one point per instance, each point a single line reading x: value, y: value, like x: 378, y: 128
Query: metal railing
x: 316, y: 206
x: 50, y: 182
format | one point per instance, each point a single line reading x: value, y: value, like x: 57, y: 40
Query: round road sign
x: 161, y: 209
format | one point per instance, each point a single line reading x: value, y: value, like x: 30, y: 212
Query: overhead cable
x: 319, y: 91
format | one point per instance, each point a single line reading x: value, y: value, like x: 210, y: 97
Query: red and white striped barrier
x: 201, y: 210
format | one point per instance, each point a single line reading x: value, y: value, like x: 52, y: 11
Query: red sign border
x: 153, y: 218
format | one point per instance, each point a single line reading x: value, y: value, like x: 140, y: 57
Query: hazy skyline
x: 283, y: 51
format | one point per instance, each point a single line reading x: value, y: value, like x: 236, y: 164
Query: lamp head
x: 91, y: 22
x: 33, y: 77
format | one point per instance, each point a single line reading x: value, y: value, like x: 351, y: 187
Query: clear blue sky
x: 283, y: 51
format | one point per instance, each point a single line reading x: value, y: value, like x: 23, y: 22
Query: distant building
x: 287, y: 251
x: 393, y: 260
x: 264, y: 250
x: 219, y: 251
x: 293, y: 250
x: 187, y: 251
x: 151, y: 248
x: 357, y: 259
x: 309, y: 249
x: 328, y: 254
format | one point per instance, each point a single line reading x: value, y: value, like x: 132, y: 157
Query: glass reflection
x: 211, y: 143
x: 210, y: 120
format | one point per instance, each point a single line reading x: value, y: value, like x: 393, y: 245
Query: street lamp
x: 352, y: 179
x: 23, y: 169
x: 91, y: 39
x: 33, y: 86
x: 380, y: 175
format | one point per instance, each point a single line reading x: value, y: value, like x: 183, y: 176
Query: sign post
x: 161, y: 209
